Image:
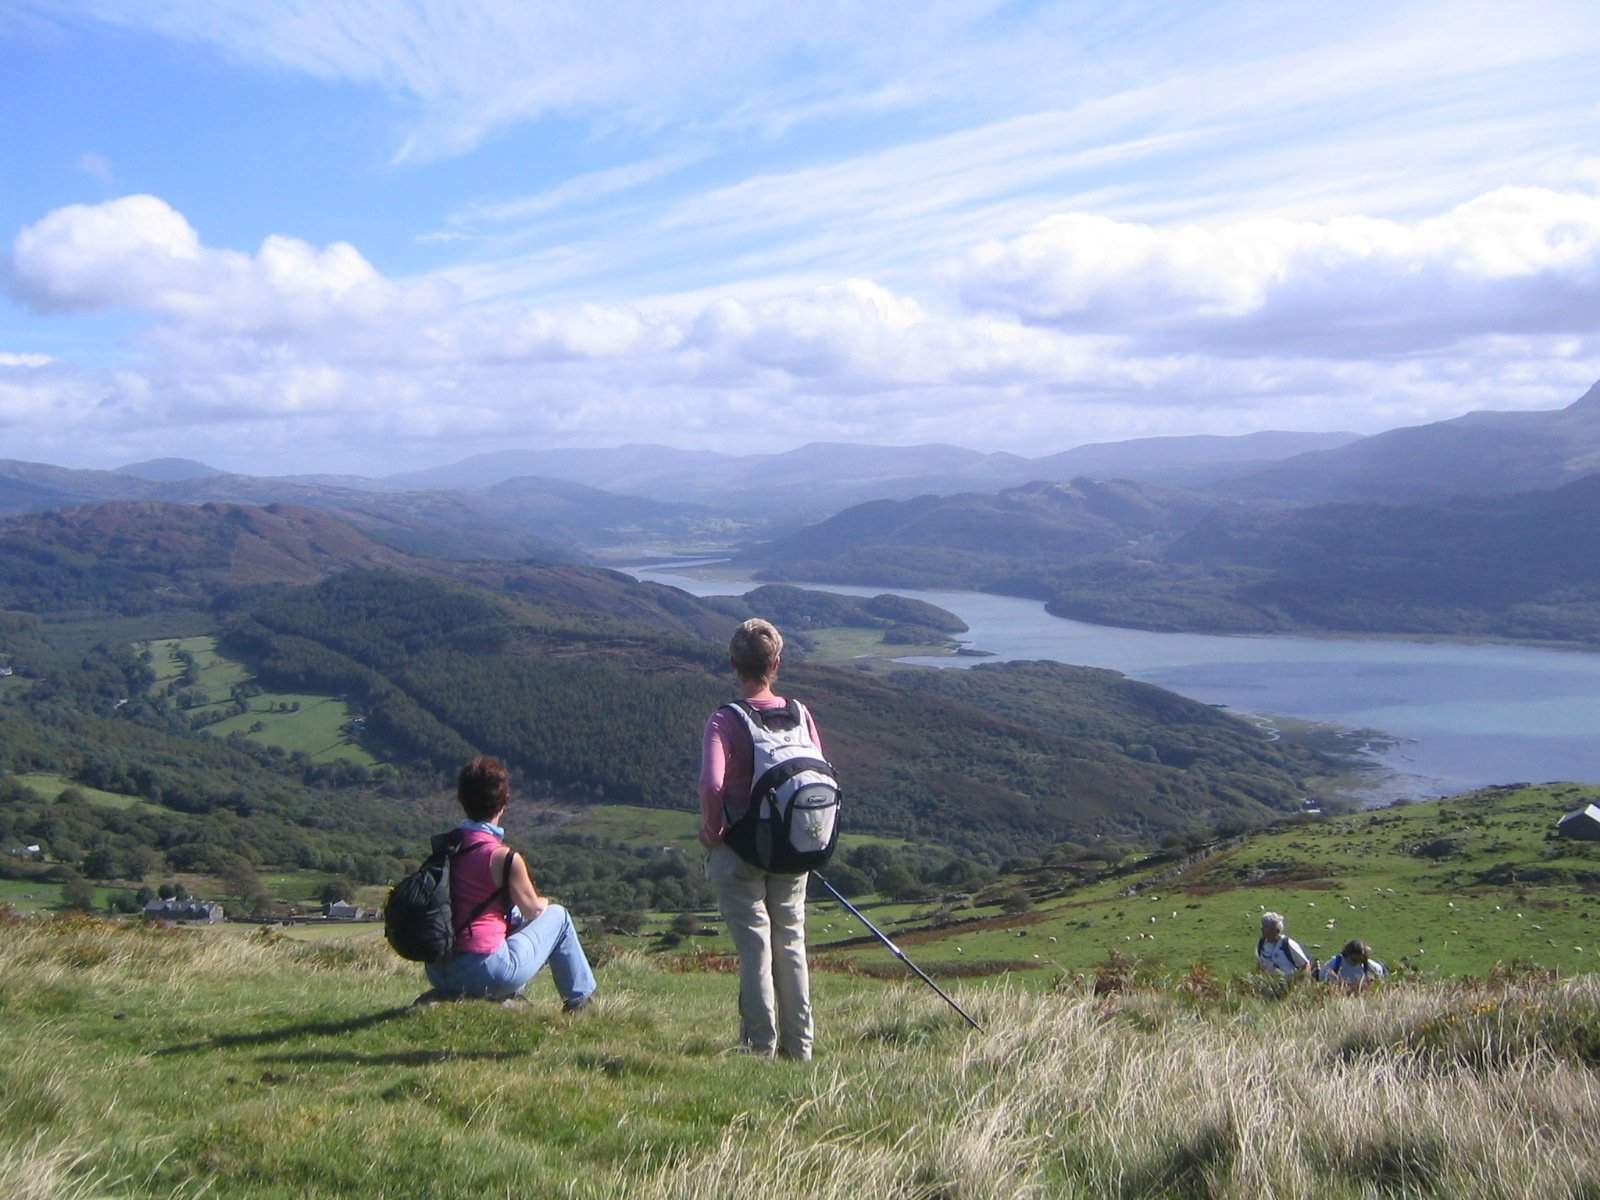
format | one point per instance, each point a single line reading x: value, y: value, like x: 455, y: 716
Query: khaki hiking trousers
x: 766, y: 916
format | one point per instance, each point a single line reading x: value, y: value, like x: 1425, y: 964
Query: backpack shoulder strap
x: 764, y: 718
x: 502, y: 894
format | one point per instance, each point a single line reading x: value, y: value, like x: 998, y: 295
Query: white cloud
x: 1517, y: 260
x: 24, y: 361
x: 138, y: 252
x: 1094, y: 329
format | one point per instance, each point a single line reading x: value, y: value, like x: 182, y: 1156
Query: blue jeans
x: 549, y: 937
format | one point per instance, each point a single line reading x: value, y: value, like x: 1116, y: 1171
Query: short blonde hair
x: 754, y: 650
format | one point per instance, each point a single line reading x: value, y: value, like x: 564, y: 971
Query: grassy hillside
x: 1446, y: 888
x: 174, y: 1064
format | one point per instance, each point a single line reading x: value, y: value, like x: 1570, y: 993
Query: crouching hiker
x: 504, y: 929
x: 763, y: 831
x: 1277, y: 952
x: 1353, y: 966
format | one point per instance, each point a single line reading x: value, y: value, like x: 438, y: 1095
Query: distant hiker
x: 1353, y: 966
x: 765, y: 910
x: 1277, y: 951
x: 505, y: 930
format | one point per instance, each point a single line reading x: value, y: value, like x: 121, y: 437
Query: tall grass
x: 152, y: 1064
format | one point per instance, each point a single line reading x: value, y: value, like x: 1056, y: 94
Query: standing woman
x: 507, y: 930
x: 765, y: 911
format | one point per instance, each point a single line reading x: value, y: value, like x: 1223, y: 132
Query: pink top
x: 471, y: 885
x: 727, y: 761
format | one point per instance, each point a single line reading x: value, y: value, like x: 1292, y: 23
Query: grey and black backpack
x: 790, y: 821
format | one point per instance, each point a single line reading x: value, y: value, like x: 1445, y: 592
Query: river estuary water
x: 1454, y: 715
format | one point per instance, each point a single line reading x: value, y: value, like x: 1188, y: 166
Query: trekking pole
x: 896, y: 951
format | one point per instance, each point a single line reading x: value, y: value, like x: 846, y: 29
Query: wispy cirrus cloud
x: 468, y: 70
x: 582, y: 189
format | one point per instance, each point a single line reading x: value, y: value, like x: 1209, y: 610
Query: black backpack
x: 790, y: 823
x: 417, y: 919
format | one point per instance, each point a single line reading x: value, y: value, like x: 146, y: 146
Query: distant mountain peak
x: 1589, y: 402
x: 169, y: 470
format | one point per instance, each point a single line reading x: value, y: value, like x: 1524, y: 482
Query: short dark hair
x: 483, y: 787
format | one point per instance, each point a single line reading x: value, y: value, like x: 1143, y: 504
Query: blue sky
x: 363, y: 236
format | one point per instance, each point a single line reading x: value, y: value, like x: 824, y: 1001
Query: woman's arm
x: 713, y: 775
x: 523, y: 894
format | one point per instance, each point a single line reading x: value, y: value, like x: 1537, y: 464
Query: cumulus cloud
x: 1517, y: 260
x: 1091, y: 329
x: 139, y: 252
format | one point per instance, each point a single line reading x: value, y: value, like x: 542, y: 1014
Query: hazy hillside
x: 1482, y: 453
x: 1524, y: 566
x: 169, y: 470
x: 138, y: 556
x: 836, y: 476
x: 1011, y: 541
x: 1119, y: 553
x: 1193, y: 461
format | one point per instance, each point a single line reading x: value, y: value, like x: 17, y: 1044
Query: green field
x: 40, y: 895
x: 845, y: 643
x: 217, y: 674
x: 316, y: 725
x: 50, y: 787
x: 631, y: 825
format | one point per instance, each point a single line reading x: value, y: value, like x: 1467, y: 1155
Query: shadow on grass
x: 265, y: 1037
x: 1192, y: 1170
x: 400, y: 1058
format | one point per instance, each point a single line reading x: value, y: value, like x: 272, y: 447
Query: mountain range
x: 1262, y: 518
x: 1479, y: 454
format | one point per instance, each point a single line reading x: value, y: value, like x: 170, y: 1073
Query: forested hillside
x: 1001, y: 756
x: 594, y: 686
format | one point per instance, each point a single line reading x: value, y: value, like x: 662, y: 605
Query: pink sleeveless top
x: 471, y: 885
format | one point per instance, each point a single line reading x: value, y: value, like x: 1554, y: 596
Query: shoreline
x: 695, y: 566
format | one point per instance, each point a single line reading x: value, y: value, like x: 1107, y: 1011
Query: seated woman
x: 500, y: 946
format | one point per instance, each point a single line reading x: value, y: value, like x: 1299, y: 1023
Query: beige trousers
x: 766, y: 916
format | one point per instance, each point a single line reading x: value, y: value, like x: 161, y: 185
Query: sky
x: 365, y: 236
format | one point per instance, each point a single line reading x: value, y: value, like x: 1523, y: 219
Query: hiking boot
x: 431, y: 996
x: 515, y: 1000
x: 578, y: 1005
